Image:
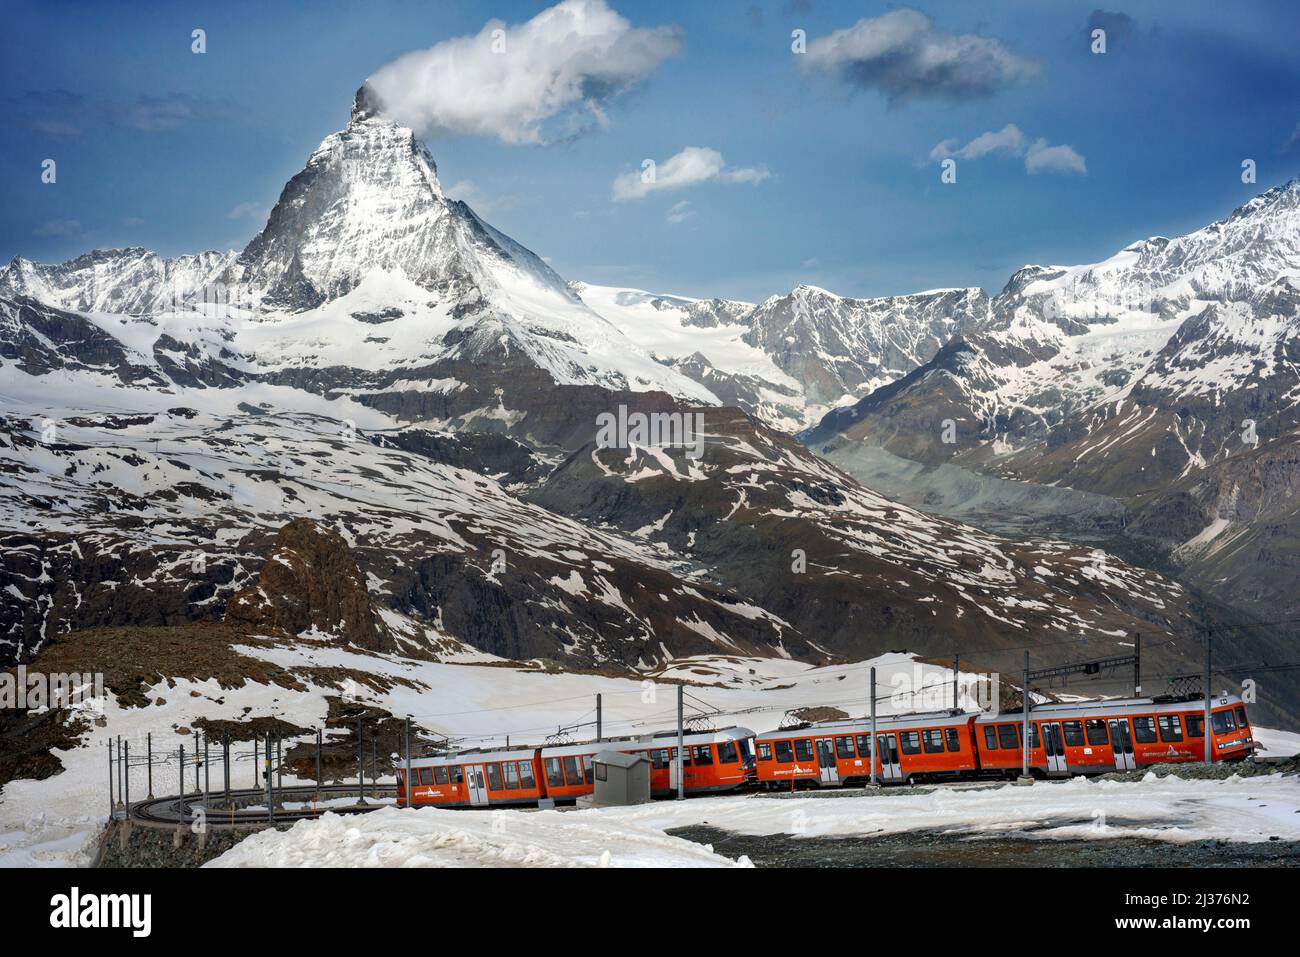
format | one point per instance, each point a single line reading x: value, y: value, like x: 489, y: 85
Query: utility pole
x: 874, y: 747
x: 955, y: 662
x: 681, y: 705
x: 1024, y: 768
x: 148, y: 739
x: 320, y: 736
x: 1209, y: 754
x: 361, y: 762
x: 270, y: 781
x: 1137, y: 664
x: 598, y: 724
x: 407, y: 741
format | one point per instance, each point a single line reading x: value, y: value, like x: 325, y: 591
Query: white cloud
x: 1042, y: 158
x: 563, y: 65
x: 693, y: 165
x: 680, y: 212
x: 901, y: 54
x: 1011, y: 141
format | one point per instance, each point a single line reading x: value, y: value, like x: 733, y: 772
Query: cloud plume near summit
x: 549, y: 78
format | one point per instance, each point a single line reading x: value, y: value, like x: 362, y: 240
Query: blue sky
x: 159, y: 147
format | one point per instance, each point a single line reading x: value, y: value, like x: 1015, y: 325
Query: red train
x: 1064, y: 739
x: 712, y: 762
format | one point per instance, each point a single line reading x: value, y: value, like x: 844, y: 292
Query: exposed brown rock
x: 311, y: 581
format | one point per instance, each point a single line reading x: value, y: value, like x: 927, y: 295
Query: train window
x: 727, y: 753
x: 1096, y: 731
x: 1033, y: 734
x: 933, y: 738
x: 426, y: 776
x: 659, y: 758
x: 686, y: 756
x: 745, y: 752
x: 494, y: 777
x: 1195, y: 726
x: 1241, y: 718
x: 1171, y: 729
x: 439, y: 775
x: 909, y: 742
x: 784, y: 754
x: 954, y: 739
x: 586, y: 767
x: 554, y: 775
x: 526, y: 775
x: 1144, y: 729
x: 764, y: 751
x: 512, y: 776
x: 990, y: 737
x: 844, y: 748
x: 1073, y: 733
x: 864, y: 745
x: 572, y: 776
x: 457, y: 774
x: 702, y: 754
x: 803, y: 749
x: 1009, y: 736
x: 1223, y: 722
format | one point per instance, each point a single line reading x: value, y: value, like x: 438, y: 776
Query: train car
x: 714, y: 761
x: 1097, y: 736
x: 932, y: 745
x: 474, y: 779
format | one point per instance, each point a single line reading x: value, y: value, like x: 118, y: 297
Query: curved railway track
x: 248, y: 807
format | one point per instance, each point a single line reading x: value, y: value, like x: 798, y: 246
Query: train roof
x: 645, y: 742
x: 892, y: 722
x: 951, y: 718
x: 1113, y: 707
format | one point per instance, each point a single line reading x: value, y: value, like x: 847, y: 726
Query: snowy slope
x: 1162, y: 809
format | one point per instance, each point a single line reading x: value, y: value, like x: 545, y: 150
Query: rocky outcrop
x: 311, y: 583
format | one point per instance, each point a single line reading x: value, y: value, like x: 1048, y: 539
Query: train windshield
x: 1223, y: 722
x: 745, y: 753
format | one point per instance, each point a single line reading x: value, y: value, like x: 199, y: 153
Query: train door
x: 1121, y: 742
x: 887, y: 746
x: 829, y: 771
x: 1054, y: 746
x: 478, y: 796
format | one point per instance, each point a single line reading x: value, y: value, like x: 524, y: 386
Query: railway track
x: 248, y: 807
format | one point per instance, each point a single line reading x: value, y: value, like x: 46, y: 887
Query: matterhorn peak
x: 365, y: 104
